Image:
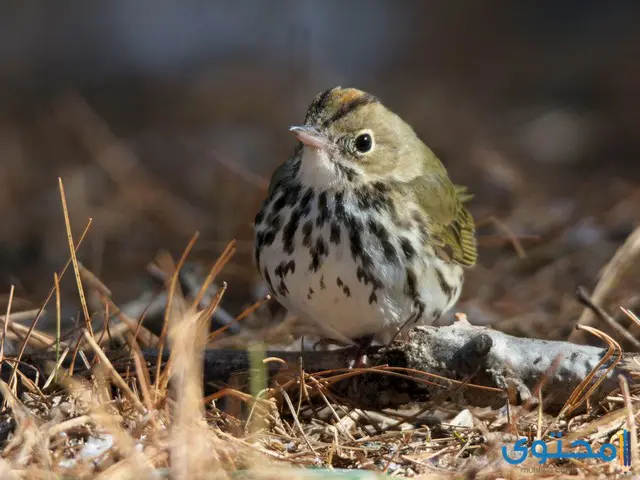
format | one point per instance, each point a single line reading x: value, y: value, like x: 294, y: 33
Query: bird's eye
x: 364, y: 142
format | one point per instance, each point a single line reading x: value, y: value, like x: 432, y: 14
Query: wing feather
x: 451, y: 225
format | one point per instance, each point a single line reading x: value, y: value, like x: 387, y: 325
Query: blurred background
x: 167, y: 117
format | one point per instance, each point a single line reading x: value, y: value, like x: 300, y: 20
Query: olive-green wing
x: 452, y: 228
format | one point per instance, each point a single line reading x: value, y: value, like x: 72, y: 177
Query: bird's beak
x: 310, y: 136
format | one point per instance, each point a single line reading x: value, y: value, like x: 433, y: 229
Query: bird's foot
x: 327, y: 342
x: 360, y: 359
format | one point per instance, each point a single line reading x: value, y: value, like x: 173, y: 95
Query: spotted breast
x: 362, y: 231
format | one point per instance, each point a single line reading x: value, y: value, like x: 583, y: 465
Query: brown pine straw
x: 58, y: 365
x: 46, y: 342
x: 23, y: 316
x: 23, y: 346
x: 36, y: 339
x: 168, y: 311
x: 74, y: 259
x: 242, y: 396
x: 194, y: 447
x: 515, y: 242
x: 115, y: 376
x: 296, y: 420
x: 579, y: 396
x: 623, y: 259
x: 321, y: 391
x: 400, y: 372
x: 631, y: 315
x: 214, y: 303
x: 583, y: 297
x: 142, y: 334
x: 326, y: 378
x: 143, y: 378
x: 205, y: 317
x: 6, y: 323
x: 76, y: 350
x: 105, y: 325
x: 248, y: 311
x: 69, y: 424
x: 56, y: 285
x: 215, y: 270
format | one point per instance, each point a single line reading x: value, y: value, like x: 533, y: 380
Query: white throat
x: 317, y: 169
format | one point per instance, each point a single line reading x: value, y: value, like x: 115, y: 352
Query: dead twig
x: 615, y: 269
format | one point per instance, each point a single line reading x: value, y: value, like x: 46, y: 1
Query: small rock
x: 463, y: 419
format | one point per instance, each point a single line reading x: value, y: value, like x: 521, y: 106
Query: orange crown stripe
x: 348, y: 95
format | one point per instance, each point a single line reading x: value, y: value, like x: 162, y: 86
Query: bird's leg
x: 326, y: 342
x: 413, y: 318
x: 363, y: 344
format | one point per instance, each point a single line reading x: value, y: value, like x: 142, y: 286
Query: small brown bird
x: 362, y: 232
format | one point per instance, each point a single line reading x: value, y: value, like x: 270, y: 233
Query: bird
x: 362, y: 232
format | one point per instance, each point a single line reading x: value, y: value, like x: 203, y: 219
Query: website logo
x: 579, y: 449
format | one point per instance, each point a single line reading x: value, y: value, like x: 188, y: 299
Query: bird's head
x: 349, y: 138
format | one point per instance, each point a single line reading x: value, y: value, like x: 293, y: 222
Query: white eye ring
x: 363, y: 142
